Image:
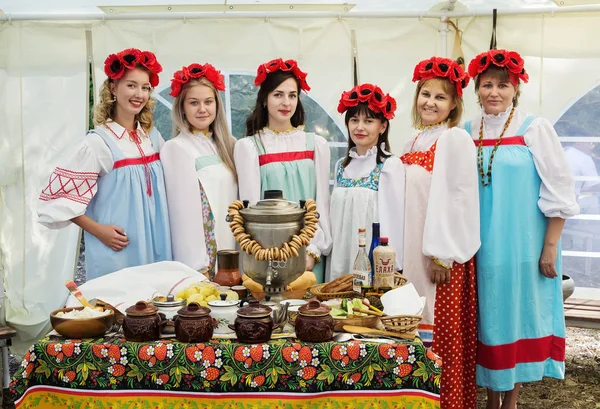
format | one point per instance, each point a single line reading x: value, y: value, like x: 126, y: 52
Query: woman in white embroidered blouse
x: 279, y: 155
x: 368, y: 181
x: 112, y: 185
x: 199, y: 170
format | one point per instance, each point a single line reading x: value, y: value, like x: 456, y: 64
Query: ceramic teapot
x: 314, y: 323
x: 254, y: 323
x: 142, y: 322
x: 194, y: 324
x: 224, y: 312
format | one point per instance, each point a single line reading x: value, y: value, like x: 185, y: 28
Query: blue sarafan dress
x: 116, y: 178
x: 521, y: 319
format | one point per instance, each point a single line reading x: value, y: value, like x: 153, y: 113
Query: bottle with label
x: 384, y: 258
x: 362, y: 267
x: 374, y: 244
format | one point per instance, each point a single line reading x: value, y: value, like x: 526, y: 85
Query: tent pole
x: 443, y: 30
x: 249, y: 15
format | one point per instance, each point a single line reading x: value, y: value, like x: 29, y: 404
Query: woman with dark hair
x: 112, y: 186
x: 279, y: 155
x: 369, y: 180
x: 441, y: 232
x: 526, y: 193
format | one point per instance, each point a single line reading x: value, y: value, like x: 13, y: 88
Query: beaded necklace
x: 480, y: 150
x: 427, y: 127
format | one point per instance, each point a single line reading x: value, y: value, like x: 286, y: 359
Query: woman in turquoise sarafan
x: 279, y: 155
x: 369, y: 180
x: 112, y: 184
x: 199, y: 170
x: 526, y: 192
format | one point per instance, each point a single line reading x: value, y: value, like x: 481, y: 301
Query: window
x: 579, y: 132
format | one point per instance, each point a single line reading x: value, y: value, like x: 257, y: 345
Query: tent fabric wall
x: 43, y: 93
x: 43, y: 98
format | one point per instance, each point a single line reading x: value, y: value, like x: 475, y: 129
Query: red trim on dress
x: 511, y: 140
x: 507, y: 356
x: 67, y: 184
x: 267, y: 158
x: 144, y: 160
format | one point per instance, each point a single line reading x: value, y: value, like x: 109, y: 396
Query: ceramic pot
x: 169, y: 307
x: 224, y: 312
x: 228, y: 273
x: 314, y: 323
x: 253, y: 324
x: 568, y: 286
x: 194, y: 324
x: 142, y: 322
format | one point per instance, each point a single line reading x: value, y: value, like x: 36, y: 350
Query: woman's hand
x: 439, y: 274
x: 548, y: 261
x: 113, y: 237
x: 310, y: 262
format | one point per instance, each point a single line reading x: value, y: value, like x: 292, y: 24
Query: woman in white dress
x: 369, y: 180
x: 199, y: 170
x: 112, y: 184
x: 279, y: 155
x: 441, y: 231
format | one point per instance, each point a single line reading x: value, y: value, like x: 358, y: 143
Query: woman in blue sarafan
x: 526, y: 193
x: 112, y: 184
x: 278, y: 154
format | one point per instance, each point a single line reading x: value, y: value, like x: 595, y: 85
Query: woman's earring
x: 114, y: 97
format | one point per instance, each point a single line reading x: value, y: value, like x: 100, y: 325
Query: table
x: 112, y: 373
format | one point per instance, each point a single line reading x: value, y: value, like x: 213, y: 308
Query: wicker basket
x: 399, y: 280
x: 405, y: 324
x: 316, y: 291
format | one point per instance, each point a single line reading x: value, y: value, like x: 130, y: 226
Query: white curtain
x: 43, y: 94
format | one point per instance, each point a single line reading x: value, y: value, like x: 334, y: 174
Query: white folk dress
x: 199, y: 189
x: 365, y: 193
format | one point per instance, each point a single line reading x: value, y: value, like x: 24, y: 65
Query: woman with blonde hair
x: 526, y: 193
x: 441, y: 230
x: 199, y: 169
x: 112, y: 185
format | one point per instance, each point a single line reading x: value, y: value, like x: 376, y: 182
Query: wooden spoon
x: 355, y: 329
x: 77, y: 294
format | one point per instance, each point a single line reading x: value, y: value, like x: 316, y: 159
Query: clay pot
x: 253, y: 324
x: 568, y: 286
x: 194, y: 324
x: 314, y: 323
x: 142, y: 322
x: 228, y: 273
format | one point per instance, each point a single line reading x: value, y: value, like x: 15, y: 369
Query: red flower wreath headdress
x: 277, y: 65
x: 511, y: 60
x: 438, y: 67
x: 371, y: 95
x: 195, y: 70
x: 115, y: 64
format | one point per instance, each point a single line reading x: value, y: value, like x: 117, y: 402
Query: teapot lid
x: 254, y: 309
x: 223, y: 303
x: 314, y: 308
x: 141, y: 309
x: 193, y: 310
x: 168, y: 301
x: 273, y: 211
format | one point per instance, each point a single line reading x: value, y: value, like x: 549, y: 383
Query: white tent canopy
x: 46, y: 48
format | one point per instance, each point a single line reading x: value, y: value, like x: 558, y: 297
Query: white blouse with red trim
x: 73, y: 183
x: 248, y: 170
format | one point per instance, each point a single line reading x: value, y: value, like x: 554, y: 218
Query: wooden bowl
x: 81, y: 327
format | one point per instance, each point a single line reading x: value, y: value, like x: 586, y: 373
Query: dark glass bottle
x: 374, y: 243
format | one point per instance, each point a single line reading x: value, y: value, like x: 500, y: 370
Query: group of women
x: 499, y: 187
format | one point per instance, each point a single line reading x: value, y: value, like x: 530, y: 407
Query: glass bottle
x: 374, y: 244
x: 361, y: 270
x: 385, y: 259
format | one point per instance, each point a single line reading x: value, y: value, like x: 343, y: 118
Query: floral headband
x: 373, y: 96
x: 511, y: 60
x: 115, y: 64
x: 279, y: 65
x: 185, y: 74
x: 438, y: 67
